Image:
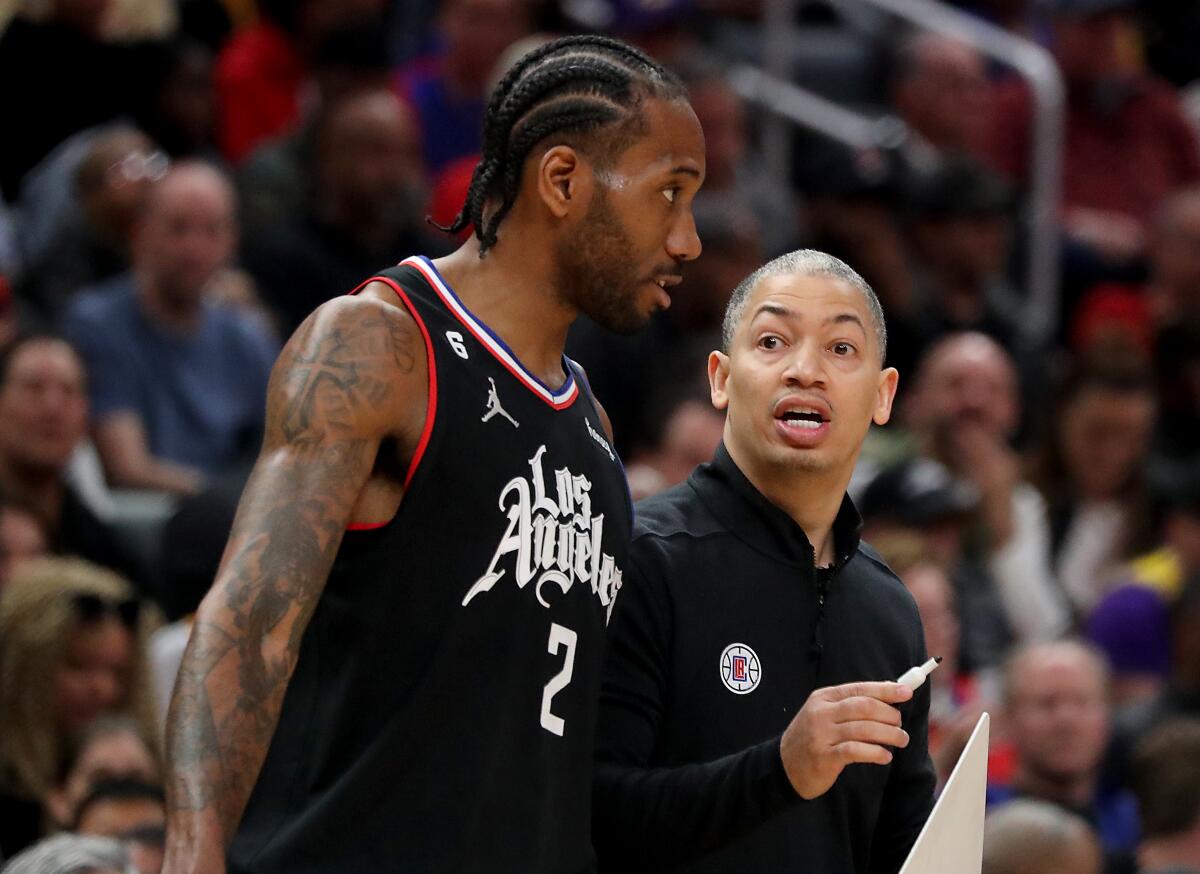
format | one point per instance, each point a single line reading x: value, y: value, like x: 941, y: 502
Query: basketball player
x: 398, y: 664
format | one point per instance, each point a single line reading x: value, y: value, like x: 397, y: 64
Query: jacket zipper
x: 818, y: 646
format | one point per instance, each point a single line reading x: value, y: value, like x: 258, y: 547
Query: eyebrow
x: 844, y: 318
x: 686, y: 170
x: 775, y: 309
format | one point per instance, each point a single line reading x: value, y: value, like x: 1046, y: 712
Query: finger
x: 874, y: 733
x: 855, y: 752
x: 891, y: 693
x: 855, y: 709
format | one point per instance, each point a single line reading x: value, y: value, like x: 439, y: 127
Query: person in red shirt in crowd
x: 262, y: 74
x: 1128, y: 143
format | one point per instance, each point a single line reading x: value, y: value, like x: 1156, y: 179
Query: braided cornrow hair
x: 576, y: 85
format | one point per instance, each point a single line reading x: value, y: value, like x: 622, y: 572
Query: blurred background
x: 183, y: 181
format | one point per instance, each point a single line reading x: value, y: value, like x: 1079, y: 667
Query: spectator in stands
x: 1131, y: 626
x: 849, y: 211
x: 954, y: 703
x: 263, y: 72
x: 90, y: 241
x: 1058, y: 714
x: 959, y: 231
x: 111, y: 748
x: 72, y: 648
x: 939, y: 89
x: 1181, y: 696
x: 275, y: 181
x: 1148, y: 617
x: 45, y: 99
x: 1166, y: 780
x: 690, y: 436
x: 1128, y: 144
x: 133, y: 813
x: 75, y: 854
x: 181, y: 112
x: 962, y: 409
x: 177, y: 378
x: 121, y: 809
x: 366, y: 211
x: 734, y: 176
x: 193, y: 541
x: 1174, y: 292
x: 448, y: 90
x: 43, y: 417
x: 920, y: 497
x: 1034, y: 837
x: 1091, y: 473
x: 22, y: 537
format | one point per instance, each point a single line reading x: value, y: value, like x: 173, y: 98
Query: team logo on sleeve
x: 740, y: 669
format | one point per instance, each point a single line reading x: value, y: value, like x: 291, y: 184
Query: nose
x: 804, y: 367
x: 683, y: 243
x: 105, y: 688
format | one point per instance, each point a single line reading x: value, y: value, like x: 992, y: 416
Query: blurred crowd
x: 183, y: 181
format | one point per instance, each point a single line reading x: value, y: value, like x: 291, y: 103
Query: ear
x: 564, y: 180
x: 718, y: 379
x: 885, y: 394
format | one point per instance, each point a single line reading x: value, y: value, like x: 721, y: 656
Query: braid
x: 575, y: 85
x: 577, y: 115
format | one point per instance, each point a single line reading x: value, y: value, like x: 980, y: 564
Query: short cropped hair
x: 1025, y: 831
x: 1166, y: 778
x: 803, y: 262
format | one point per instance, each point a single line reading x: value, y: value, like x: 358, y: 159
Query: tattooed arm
x: 353, y: 374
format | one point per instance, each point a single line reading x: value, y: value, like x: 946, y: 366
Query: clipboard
x: 951, y: 842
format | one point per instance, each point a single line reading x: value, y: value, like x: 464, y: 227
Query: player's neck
x: 511, y: 291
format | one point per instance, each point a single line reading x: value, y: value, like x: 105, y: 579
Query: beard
x: 593, y: 273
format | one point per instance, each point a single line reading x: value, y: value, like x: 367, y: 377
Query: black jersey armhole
x: 430, y: 406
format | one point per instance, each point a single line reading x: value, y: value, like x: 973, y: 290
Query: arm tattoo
x: 244, y: 645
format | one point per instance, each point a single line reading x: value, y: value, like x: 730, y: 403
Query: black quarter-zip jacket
x: 688, y: 774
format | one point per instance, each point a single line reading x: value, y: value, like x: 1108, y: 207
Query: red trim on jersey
x: 366, y: 526
x: 488, y: 341
x: 431, y: 406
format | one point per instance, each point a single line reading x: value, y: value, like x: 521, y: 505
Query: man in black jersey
x: 746, y: 720
x: 398, y: 664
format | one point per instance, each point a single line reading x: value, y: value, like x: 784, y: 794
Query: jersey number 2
x: 559, y: 636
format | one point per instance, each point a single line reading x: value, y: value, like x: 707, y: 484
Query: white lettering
x: 554, y: 539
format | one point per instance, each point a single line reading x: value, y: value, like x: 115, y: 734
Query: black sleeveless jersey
x: 441, y: 715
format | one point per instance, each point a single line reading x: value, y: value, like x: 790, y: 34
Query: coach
x: 746, y: 724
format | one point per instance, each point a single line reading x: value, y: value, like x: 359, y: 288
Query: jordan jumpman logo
x: 494, y: 408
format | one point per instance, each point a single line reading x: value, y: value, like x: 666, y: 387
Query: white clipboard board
x: 951, y: 841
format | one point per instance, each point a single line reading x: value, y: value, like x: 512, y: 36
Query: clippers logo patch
x: 740, y: 669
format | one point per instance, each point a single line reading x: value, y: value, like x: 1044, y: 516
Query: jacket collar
x: 752, y: 518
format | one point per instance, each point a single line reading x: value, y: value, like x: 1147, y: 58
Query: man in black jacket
x: 746, y: 724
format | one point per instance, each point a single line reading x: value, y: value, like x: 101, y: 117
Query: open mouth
x: 806, y: 419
